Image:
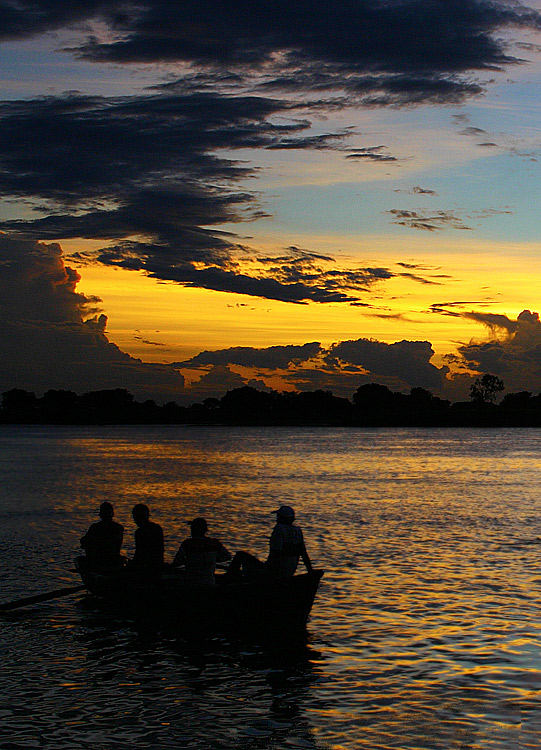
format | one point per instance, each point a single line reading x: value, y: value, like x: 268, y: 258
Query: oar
x: 66, y: 591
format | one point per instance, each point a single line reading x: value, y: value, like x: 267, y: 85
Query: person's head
x: 106, y: 511
x: 140, y: 513
x: 198, y: 527
x: 285, y: 514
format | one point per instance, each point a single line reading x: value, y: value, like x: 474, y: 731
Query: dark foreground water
x: 425, y: 634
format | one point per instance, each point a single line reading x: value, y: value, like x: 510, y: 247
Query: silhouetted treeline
x: 372, y: 405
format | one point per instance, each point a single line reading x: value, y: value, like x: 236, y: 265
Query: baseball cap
x: 286, y: 511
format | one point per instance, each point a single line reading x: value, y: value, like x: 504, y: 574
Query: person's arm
x: 222, y: 554
x: 306, y: 559
x: 87, y: 538
x: 304, y: 555
x: 180, y: 557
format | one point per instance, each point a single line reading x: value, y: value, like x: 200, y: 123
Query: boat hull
x: 259, y: 602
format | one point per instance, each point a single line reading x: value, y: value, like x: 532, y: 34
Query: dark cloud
x: 115, y: 169
x: 429, y: 223
x: 384, y: 53
x: 26, y: 18
x: 77, y: 149
x: 220, y: 379
x: 416, y: 190
x: 372, y: 153
x: 423, y: 191
x: 420, y: 279
x: 54, y: 337
x: 494, y: 321
x: 470, y: 130
x: 143, y: 340
x: 271, y: 357
x: 148, y: 173
x: 341, y: 383
x: 440, y: 306
x: 515, y: 357
x: 381, y: 53
x: 320, y: 142
x: 407, y: 360
x: 413, y: 266
x: 487, y: 213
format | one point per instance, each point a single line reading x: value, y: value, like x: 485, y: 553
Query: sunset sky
x: 201, y: 195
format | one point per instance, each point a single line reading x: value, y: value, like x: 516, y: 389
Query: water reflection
x: 231, y: 693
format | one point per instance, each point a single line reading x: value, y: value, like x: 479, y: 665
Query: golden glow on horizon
x: 182, y: 321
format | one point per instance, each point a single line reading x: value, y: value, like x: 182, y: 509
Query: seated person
x: 200, y: 553
x: 286, y: 545
x: 148, y: 541
x: 103, y: 541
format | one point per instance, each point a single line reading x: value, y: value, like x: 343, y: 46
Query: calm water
x: 425, y: 634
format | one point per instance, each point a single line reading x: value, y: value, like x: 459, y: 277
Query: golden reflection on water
x: 426, y: 626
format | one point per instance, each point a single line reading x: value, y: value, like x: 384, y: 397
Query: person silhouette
x: 200, y: 553
x: 103, y: 541
x: 286, y: 546
x: 148, y: 541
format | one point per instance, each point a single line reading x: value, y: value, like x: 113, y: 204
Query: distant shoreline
x: 373, y: 405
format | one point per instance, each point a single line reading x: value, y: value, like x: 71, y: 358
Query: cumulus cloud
x: 513, y: 352
x: 269, y: 357
x: 54, y: 337
x: 408, y: 361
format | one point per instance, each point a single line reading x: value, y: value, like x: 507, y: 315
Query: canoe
x: 249, y: 602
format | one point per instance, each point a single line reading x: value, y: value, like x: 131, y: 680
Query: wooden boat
x: 239, y: 602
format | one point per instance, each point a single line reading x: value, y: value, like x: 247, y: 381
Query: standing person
x: 103, y: 541
x: 200, y: 553
x: 286, y: 546
x: 148, y: 541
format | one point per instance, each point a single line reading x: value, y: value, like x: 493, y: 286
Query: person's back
x: 199, y: 554
x: 103, y: 541
x: 148, y: 540
x: 286, y: 545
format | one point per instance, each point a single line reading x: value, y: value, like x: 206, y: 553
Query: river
x: 425, y: 632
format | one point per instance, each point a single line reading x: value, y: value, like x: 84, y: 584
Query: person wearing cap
x: 148, y: 555
x: 103, y: 541
x: 199, y: 554
x: 286, y: 546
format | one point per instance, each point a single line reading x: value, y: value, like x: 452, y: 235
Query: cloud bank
x: 53, y: 337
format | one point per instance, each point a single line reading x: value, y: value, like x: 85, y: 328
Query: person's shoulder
x: 214, y: 543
